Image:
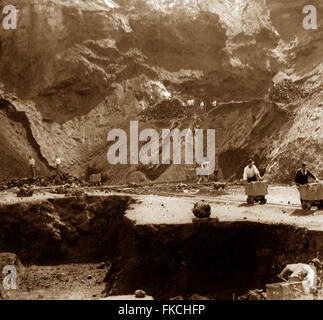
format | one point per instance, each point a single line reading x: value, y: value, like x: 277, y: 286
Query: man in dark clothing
x: 303, y: 174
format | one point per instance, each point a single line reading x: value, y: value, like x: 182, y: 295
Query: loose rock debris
x: 61, y: 178
x: 257, y: 294
x: 73, y: 190
x: 25, y: 191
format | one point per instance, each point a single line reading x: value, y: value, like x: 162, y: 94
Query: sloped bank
x: 215, y: 260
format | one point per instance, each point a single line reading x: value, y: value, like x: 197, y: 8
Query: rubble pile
x: 60, y: 178
x: 257, y: 294
x: 75, y: 191
x: 167, y: 109
x: 72, y: 190
x: 181, y: 187
x: 286, y: 91
x: 210, y: 188
x: 69, y: 229
x: 25, y: 191
x: 60, y: 190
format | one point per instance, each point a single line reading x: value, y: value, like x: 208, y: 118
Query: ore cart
x: 311, y: 195
x: 95, y: 179
x: 256, y: 192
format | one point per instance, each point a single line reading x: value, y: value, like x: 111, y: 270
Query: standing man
x: 58, y: 162
x: 202, y: 106
x: 251, y: 172
x: 204, y: 164
x: 303, y: 174
x: 32, y: 166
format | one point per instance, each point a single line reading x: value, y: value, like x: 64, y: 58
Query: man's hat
x: 317, y: 262
x: 303, y: 164
x: 250, y: 161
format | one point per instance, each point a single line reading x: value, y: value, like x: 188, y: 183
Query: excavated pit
x: 166, y: 260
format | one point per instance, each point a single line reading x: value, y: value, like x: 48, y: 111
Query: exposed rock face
x: 73, y: 70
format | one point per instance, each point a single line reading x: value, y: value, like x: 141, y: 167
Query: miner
x: 306, y: 273
x: 58, y: 162
x: 251, y: 172
x: 303, y: 174
x: 32, y: 166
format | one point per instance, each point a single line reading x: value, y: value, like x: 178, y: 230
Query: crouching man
x: 308, y: 274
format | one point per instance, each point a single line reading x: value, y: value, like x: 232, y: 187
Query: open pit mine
x: 161, y: 150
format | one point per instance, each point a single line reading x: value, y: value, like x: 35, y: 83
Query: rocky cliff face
x: 73, y: 70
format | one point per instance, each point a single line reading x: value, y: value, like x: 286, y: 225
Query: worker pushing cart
x: 256, y: 189
x: 311, y: 194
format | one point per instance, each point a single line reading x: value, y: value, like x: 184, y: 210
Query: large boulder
x: 201, y: 210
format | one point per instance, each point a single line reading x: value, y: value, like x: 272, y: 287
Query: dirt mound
x: 286, y: 91
x: 167, y: 109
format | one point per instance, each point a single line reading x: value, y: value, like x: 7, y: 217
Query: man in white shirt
x: 306, y: 273
x: 58, y: 162
x: 251, y: 172
x: 204, y: 164
x: 32, y: 166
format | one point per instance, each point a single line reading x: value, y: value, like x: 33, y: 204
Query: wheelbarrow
x: 256, y: 192
x: 311, y: 195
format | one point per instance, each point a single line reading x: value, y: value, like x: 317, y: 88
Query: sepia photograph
x: 161, y: 150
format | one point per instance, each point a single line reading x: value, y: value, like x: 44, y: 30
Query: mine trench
x: 215, y: 260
